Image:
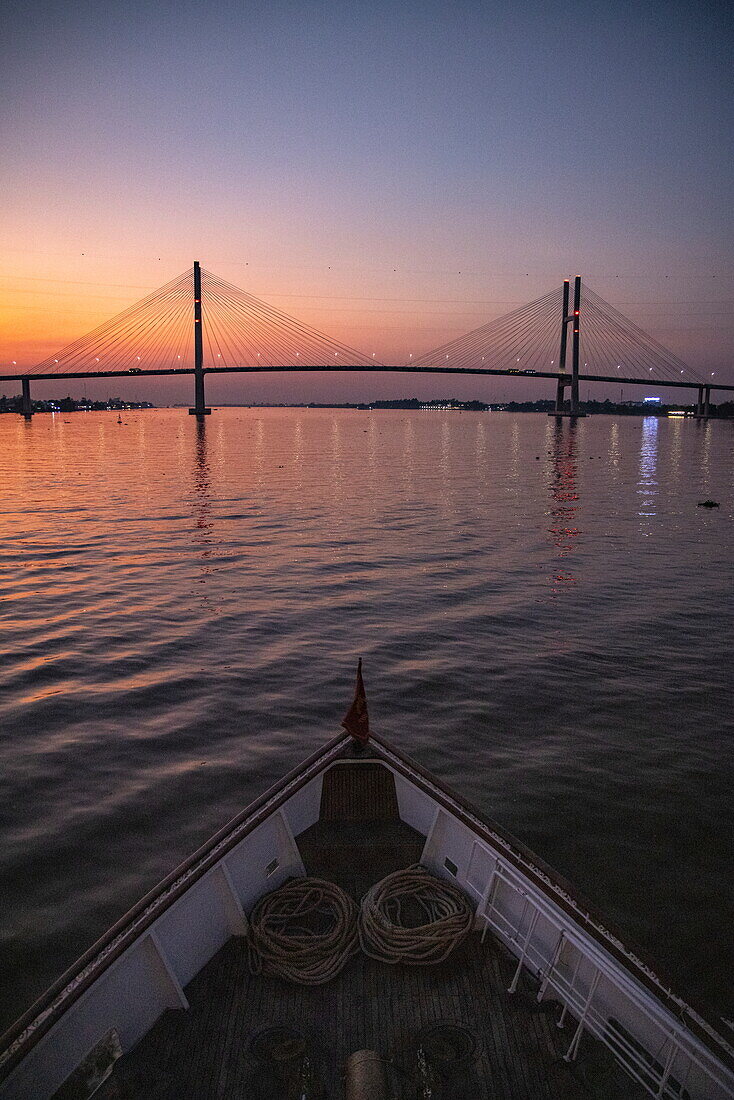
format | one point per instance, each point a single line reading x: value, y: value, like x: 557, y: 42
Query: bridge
x: 198, y: 324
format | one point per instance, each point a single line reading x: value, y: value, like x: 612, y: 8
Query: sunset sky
x: 393, y: 174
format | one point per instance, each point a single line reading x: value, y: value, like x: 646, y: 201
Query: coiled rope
x: 305, y: 932
x: 413, y: 917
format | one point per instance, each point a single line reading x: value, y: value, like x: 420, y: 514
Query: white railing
x: 664, y: 1072
x: 556, y: 941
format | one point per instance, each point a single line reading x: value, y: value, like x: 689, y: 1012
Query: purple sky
x: 394, y: 174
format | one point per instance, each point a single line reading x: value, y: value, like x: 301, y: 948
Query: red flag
x: 356, y: 720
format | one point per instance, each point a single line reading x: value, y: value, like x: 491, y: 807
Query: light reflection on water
x: 648, y: 465
x: 562, y: 447
x: 543, y: 611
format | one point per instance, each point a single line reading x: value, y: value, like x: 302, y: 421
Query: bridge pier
x: 560, y: 397
x: 707, y: 401
x: 26, y: 404
x: 199, y: 408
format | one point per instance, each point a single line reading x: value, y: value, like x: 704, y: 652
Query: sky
x: 394, y: 174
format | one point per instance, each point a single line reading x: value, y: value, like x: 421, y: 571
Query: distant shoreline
x: 725, y: 410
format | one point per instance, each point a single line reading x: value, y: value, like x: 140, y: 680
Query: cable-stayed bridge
x: 198, y: 324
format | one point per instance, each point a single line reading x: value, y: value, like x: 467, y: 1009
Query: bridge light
x: 138, y: 358
x: 97, y: 359
x: 575, y: 313
x: 447, y: 356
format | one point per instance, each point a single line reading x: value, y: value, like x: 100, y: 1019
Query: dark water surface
x: 544, y: 613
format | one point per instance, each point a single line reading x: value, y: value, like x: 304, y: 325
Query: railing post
x: 26, y: 405
x: 199, y: 408
x: 523, y: 953
x: 668, y: 1066
x: 574, y: 1047
x: 554, y: 959
x: 487, y: 902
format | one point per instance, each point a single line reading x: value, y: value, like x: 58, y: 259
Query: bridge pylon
x: 199, y: 408
x: 564, y: 379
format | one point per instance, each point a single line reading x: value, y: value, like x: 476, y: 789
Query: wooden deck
x: 204, y: 1053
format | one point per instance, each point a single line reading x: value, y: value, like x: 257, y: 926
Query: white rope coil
x: 305, y: 932
x: 443, y: 918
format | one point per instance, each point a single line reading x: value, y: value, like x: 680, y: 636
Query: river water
x: 544, y: 614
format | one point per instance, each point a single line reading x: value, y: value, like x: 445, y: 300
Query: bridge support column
x: 562, y: 382
x: 199, y: 408
x: 26, y: 404
x: 563, y: 379
x: 707, y: 401
x: 575, y: 347
x: 699, y: 402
